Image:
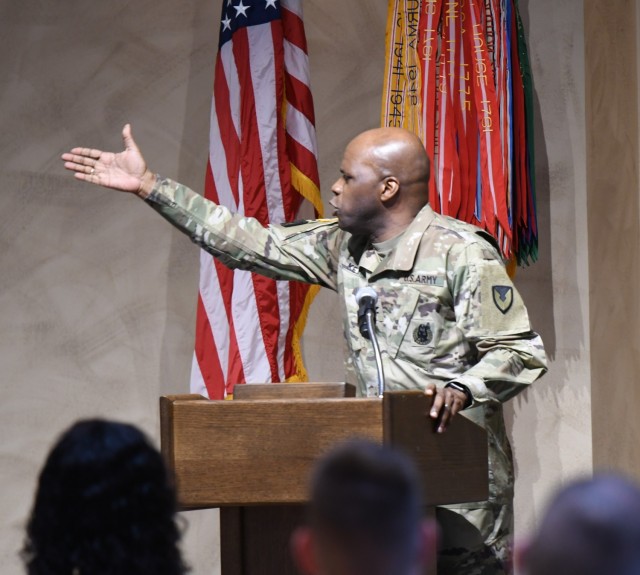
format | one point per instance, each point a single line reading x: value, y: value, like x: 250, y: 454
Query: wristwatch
x: 464, y: 389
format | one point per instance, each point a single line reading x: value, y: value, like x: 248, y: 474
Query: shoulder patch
x: 500, y: 305
x: 502, y: 297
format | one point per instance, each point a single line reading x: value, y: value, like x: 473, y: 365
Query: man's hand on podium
x: 447, y: 401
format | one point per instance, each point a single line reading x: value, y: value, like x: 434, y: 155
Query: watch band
x: 464, y: 389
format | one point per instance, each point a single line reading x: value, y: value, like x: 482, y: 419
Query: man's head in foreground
x: 592, y: 527
x: 365, y: 515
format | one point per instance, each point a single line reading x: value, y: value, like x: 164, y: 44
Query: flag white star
x: 226, y: 23
x: 270, y: 4
x: 241, y: 9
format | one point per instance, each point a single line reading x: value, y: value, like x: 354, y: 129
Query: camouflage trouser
x: 475, y: 541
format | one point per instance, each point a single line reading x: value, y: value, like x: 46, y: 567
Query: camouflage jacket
x: 446, y: 308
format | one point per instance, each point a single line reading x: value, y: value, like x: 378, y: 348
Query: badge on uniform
x: 502, y: 297
x: 423, y: 335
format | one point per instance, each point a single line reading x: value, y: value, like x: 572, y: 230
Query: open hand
x: 125, y: 171
x: 447, y: 401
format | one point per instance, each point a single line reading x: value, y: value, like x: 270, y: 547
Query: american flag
x: 262, y: 163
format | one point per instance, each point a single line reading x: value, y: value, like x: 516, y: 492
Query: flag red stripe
x: 299, y: 94
x: 235, y: 370
x: 206, y: 354
x: 228, y: 134
x: 303, y: 159
x: 293, y: 29
x: 251, y: 154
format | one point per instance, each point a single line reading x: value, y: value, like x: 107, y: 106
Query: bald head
x: 397, y: 152
x: 384, y: 183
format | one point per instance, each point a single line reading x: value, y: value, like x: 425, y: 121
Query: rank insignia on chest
x: 502, y: 297
x: 423, y: 335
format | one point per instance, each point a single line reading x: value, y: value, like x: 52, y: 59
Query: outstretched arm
x: 300, y: 253
x: 126, y: 171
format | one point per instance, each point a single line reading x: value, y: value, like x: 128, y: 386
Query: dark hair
x: 366, y: 499
x: 591, y: 527
x: 104, y: 506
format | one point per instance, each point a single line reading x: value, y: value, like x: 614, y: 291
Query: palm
x: 122, y: 171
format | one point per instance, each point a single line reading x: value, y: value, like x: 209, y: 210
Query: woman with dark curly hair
x: 104, y: 506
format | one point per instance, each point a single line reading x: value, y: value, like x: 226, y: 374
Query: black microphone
x: 366, y: 298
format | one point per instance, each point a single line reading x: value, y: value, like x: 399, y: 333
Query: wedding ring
x: 92, y: 171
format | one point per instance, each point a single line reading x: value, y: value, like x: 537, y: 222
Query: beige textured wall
x: 551, y: 422
x: 98, y: 294
x: 614, y: 237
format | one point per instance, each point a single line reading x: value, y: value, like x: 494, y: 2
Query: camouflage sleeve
x: 303, y: 252
x: 492, y: 315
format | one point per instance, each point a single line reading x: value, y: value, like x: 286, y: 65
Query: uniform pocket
x: 396, y: 310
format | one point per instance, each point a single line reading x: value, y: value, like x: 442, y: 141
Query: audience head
x: 592, y: 527
x: 365, y: 515
x: 104, y: 505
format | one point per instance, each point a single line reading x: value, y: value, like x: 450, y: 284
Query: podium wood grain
x: 226, y: 453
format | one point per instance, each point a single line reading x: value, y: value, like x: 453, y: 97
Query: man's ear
x: 303, y: 550
x: 390, y: 189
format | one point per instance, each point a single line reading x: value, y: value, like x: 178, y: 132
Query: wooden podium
x: 252, y: 457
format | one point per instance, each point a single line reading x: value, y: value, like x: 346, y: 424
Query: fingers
x: 446, y: 404
x: 438, y: 403
x: 85, y: 153
x: 86, y: 177
x: 127, y: 138
x: 79, y: 160
x: 430, y: 389
x: 82, y: 161
x: 80, y: 166
x: 445, y: 417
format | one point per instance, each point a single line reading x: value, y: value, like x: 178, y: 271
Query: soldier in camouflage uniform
x: 449, y: 318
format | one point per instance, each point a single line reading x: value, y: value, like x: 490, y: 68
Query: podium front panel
x: 227, y: 453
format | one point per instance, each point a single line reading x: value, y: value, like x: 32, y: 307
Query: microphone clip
x: 366, y: 298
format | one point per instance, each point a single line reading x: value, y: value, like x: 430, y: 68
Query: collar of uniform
x: 403, y: 257
x: 356, y: 246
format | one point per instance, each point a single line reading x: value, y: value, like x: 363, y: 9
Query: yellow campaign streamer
x: 301, y: 372
x: 401, y: 101
x: 307, y: 189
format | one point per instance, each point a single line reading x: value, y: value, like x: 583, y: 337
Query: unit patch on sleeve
x: 498, y: 304
x: 502, y: 297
